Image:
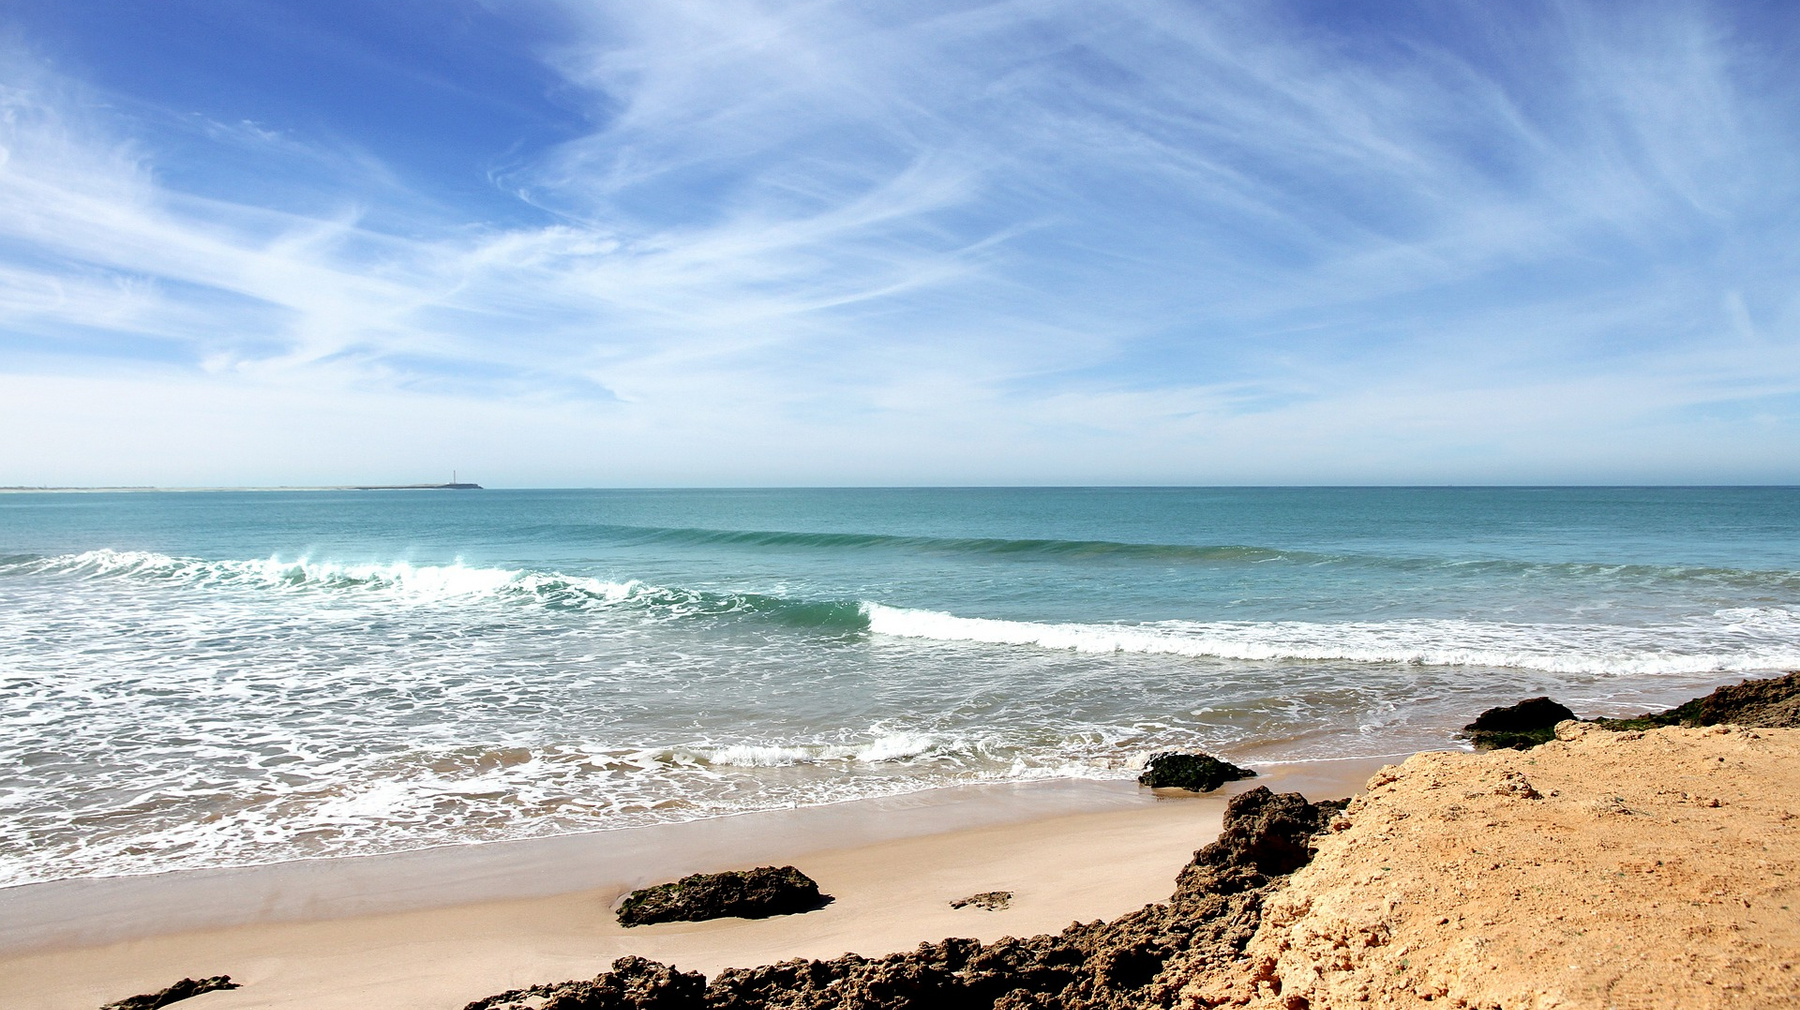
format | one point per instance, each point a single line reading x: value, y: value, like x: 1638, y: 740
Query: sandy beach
x: 439, y: 928
x: 1608, y: 867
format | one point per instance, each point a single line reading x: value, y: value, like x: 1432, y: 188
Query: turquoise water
x: 197, y: 679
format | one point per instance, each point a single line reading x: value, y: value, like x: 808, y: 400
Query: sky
x: 592, y: 243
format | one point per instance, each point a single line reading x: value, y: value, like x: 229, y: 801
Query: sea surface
x: 226, y: 678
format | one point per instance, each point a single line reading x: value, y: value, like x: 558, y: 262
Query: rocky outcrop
x: 179, y: 991
x: 1265, y: 835
x: 1762, y: 704
x: 1517, y: 727
x: 1201, y: 773
x: 633, y: 984
x: 751, y: 894
x: 1138, y: 960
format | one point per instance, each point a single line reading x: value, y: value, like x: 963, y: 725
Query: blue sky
x: 592, y: 243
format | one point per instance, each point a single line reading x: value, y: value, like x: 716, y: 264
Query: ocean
x: 225, y: 678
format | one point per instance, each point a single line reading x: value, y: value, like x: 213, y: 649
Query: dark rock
x: 1200, y: 773
x: 1771, y: 703
x: 1266, y: 835
x: 179, y: 991
x: 1517, y: 727
x: 992, y: 901
x: 633, y: 984
x: 753, y: 894
x: 1136, y: 961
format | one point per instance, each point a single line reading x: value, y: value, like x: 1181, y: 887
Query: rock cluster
x: 748, y: 894
x: 1138, y: 960
x: 1517, y: 727
x: 179, y: 991
x: 634, y: 984
x: 1762, y: 704
x: 1201, y: 773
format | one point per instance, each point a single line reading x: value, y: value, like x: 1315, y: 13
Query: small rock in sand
x: 992, y: 901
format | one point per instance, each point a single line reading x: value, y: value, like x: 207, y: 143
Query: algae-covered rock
x: 1201, y: 773
x: 1771, y: 703
x: 751, y: 894
x: 1517, y: 727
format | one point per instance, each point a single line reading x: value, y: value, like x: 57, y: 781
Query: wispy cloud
x: 1008, y: 241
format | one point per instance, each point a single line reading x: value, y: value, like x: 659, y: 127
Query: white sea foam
x: 885, y: 747
x: 397, y: 580
x: 758, y: 756
x: 428, y: 581
x: 894, y: 747
x: 166, y: 712
x: 1733, y: 640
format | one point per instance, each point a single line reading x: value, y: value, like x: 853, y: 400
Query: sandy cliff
x: 1636, y: 869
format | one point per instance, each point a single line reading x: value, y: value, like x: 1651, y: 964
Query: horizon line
x: 201, y: 489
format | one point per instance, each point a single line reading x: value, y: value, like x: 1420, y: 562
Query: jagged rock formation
x: 179, y: 991
x: 1517, y: 727
x: 1763, y: 704
x: 1201, y: 773
x: 1136, y: 961
x: 752, y: 894
x: 634, y: 984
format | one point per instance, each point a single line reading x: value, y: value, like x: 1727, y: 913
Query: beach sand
x: 440, y: 928
x: 1636, y: 869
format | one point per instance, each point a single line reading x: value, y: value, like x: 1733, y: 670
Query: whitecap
x: 1733, y: 641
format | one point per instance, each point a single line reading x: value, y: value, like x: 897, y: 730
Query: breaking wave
x: 1730, y: 640
x: 424, y: 584
x: 1734, y: 640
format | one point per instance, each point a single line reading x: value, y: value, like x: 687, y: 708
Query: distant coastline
x: 327, y: 487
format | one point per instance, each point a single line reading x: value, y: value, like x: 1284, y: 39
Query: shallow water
x: 197, y: 679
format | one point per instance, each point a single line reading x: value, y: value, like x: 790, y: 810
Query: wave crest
x: 1737, y: 640
x: 404, y: 582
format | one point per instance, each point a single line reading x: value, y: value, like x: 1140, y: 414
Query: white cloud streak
x: 1014, y: 242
